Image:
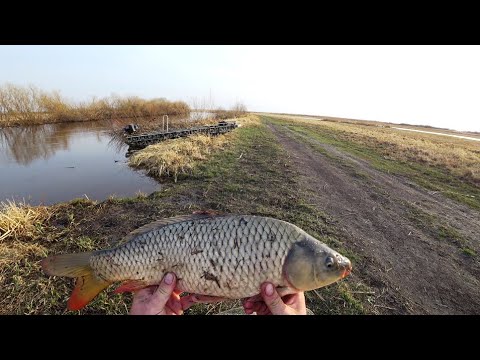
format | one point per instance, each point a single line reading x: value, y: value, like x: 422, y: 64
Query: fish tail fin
x: 87, y: 285
x: 69, y: 265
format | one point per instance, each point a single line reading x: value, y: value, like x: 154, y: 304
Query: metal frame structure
x: 141, y: 141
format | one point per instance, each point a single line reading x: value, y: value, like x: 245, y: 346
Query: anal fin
x: 130, y: 286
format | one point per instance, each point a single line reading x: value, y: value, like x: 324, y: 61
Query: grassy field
x: 447, y: 165
x: 418, y: 214
x: 251, y: 175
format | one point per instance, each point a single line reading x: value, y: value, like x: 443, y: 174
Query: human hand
x: 158, y: 300
x: 273, y: 304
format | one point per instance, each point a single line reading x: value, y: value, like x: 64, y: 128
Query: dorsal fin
x: 164, y: 222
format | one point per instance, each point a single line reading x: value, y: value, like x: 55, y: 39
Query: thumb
x: 164, y: 290
x: 273, y: 299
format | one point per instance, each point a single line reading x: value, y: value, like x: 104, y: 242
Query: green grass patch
x: 469, y: 252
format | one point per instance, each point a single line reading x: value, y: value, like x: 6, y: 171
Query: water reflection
x: 117, y: 142
x: 58, y: 162
x: 24, y: 145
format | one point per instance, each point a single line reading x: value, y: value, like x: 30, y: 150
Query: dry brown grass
x: 248, y: 120
x: 24, y: 288
x: 20, y: 225
x: 19, y: 221
x: 180, y: 156
x: 460, y: 157
x: 12, y: 252
x: 20, y: 228
x: 19, y: 277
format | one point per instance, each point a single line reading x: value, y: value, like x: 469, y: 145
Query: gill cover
x: 299, y: 267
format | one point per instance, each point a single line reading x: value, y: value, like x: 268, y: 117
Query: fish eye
x: 329, y: 261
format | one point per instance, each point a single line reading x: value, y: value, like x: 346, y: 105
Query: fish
x: 222, y: 256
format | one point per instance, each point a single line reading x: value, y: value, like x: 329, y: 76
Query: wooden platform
x: 141, y: 141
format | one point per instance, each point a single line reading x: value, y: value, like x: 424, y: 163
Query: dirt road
x: 411, y: 242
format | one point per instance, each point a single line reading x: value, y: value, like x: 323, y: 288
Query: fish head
x: 310, y: 264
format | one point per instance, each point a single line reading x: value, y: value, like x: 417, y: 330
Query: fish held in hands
x: 224, y: 256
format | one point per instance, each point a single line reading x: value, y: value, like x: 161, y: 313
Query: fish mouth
x: 344, y: 265
x: 347, y: 269
x: 346, y: 272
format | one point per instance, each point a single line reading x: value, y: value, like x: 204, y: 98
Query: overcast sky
x: 432, y: 85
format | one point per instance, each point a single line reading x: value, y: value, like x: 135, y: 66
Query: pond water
x: 51, y: 163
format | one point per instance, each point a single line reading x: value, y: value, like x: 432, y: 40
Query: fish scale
x: 227, y: 257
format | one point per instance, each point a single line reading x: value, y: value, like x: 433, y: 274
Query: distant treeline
x: 237, y: 110
x: 30, y: 105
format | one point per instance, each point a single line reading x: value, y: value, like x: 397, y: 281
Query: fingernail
x: 168, y: 279
x: 269, y: 290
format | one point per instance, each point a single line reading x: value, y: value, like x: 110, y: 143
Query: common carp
x: 227, y: 256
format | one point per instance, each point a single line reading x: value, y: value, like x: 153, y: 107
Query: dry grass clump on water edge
x: 180, y: 156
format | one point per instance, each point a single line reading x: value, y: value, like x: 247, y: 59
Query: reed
x: 31, y: 105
